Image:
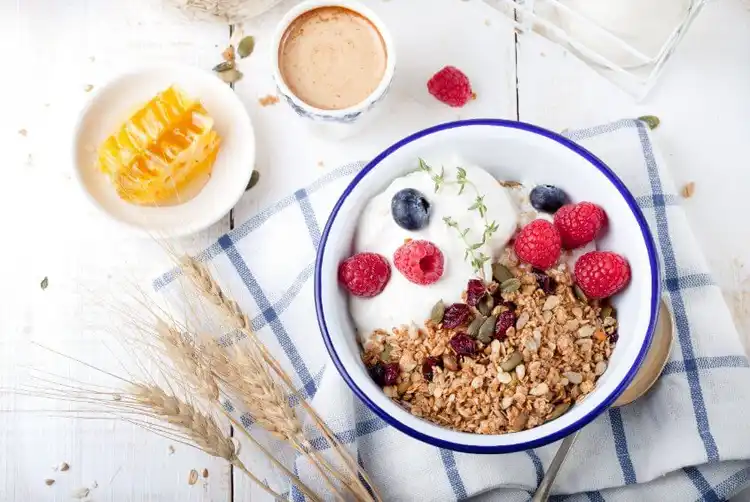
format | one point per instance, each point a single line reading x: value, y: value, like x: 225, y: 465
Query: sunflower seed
x: 551, y: 302
x: 521, y: 371
x: 473, y: 329
x: 501, y: 273
x: 580, y: 294
x: 601, y: 367
x: 193, y: 477
x: 49, y: 482
x: 514, y: 360
x: 522, y: 320
x: 254, y: 178
x: 487, y: 330
x: 504, y: 378
x: 539, y: 390
x: 510, y: 285
x: 437, y: 312
x: 559, y: 411
x: 224, y: 66
x: 506, y: 403
x: 586, y: 331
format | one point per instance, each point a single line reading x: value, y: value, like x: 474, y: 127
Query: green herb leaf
x: 423, y: 165
x: 652, y: 121
x: 246, y: 46
x: 476, y: 246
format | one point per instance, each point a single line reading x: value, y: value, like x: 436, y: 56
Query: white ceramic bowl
x: 510, y: 151
x: 111, y: 105
x: 334, y: 124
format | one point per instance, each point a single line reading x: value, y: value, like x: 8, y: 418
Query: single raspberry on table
x: 365, y: 274
x: 421, y: 262
x: 601, y: 274
x: 538, y: 243
x: 450, y: 86
x: 579, y: 224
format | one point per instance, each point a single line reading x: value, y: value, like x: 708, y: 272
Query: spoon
x: 653, y: 365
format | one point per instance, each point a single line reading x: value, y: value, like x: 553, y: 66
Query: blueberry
x: 548, y: 198
x: 410, y: 209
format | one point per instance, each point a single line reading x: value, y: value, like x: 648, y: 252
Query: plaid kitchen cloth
x: 688, y: 439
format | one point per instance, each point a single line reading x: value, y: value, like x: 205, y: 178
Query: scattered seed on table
x: 193, y: 478
x: 205, y: 473
x: 49, y: 482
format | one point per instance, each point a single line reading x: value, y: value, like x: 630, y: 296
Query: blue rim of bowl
x: 557, y: 435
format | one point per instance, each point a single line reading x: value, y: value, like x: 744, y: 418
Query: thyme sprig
x: 472, y: 254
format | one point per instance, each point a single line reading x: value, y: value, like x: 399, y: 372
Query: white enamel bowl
x: 509, y: 151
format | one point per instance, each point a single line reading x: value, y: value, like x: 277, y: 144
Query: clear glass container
x: 627, y: 41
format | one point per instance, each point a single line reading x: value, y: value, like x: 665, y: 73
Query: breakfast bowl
x: 112, y: 108
x: 507, y: 151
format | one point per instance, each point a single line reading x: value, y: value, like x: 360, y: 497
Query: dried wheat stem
x: 202, y: 280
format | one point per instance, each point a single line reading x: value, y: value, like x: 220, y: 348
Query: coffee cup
x: 333, y: 63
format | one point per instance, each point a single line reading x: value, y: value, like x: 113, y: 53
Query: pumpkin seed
x: 514, y: 360
x: 44, y: 283
x: 385, y: 356
x: 485, y: 306
x: 438, y: 311
x: 224, y: 66
x: 559, y: 411
x: 487, y: 330
x: 254, y: 178
x: 246, y: 46
x: 652, y: 121
x: 473, y: 330
x: 501, y: 273
x: 580, y: 294
x: 606, y: 311
x: 510, y: 285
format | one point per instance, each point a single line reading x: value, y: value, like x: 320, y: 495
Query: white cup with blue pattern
x: 342, y: 122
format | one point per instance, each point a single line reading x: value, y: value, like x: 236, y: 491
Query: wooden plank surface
x: 57, y: 49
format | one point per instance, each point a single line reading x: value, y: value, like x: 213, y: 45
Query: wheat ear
x: 205, y: 284
x: 195, y: 366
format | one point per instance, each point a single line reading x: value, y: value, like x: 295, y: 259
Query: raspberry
x: 579, y: 224
x: 455, y: 315
x: 538, y: 243
x: 475, y: 291
x: 463, y: 344
x: 506, y: 320
x: 601, y: 274
x: 450, y: 86
x: 365, y: 274
x: 420, y: 261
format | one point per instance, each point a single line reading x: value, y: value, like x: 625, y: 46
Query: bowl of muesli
x: 487, y: 286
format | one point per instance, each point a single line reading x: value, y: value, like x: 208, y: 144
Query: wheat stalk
x: 205, y: 284
x: 197, y: 367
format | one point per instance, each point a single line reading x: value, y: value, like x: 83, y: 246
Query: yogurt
x: 402, y: 302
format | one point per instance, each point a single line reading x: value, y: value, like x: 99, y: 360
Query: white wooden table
x: 52, y: 50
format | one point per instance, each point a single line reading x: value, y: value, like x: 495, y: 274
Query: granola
x: 546, y: 361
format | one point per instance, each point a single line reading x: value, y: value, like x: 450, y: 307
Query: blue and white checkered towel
x: 688, y: 439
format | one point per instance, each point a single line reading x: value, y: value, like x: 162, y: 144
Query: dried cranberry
x: 614, y: 337
x: 506, y: 319
x: 475, y: 291
x: 377, y: 373
x: 463, y: 344
x: 545, y: 282
x: 455, y: 315
x: 428, y: 364
x: 390, y: 376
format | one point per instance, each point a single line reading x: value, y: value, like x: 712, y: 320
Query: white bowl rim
x: 552, y: 436
x: 185, y: 229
